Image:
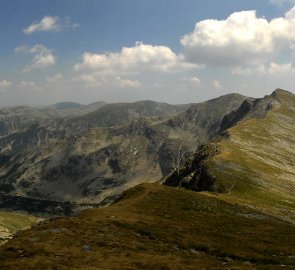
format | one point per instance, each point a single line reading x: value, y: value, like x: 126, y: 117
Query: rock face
x: 195, y: 174
x: 93, y: 158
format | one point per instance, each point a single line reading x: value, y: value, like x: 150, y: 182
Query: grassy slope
x: 156, y: 227
x: 257, y: 162
x: 11, y: 222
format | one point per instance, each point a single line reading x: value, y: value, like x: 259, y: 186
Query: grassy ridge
x: 11, y: 222
x: 256, y: 163
x: 156, y: 227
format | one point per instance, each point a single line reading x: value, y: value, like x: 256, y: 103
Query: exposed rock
x: 195, y: 175
x: 93, y: 158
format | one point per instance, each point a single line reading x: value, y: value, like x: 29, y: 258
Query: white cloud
x: 111, y: 69
x: 141, y: 57
x: 195, y: 81
x: 4, y: 85
x: 217, y: 84
x: 188, y: 83
x: 278, y: 69
x: 50, y: 24
x: 242, y: 39
x: 43, y: 57
x: 123, y: 83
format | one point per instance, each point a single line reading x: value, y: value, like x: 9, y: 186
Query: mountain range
x: 92, y: 158
x: 207, y: 185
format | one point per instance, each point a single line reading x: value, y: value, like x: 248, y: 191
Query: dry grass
x: 155, y: 227
x: 257, y: 161
x: 11, y: 222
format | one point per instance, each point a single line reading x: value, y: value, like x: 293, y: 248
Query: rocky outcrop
x: 195, y: 175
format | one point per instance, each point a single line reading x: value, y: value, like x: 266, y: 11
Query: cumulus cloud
x: 4, y: 85
x: 111, y: 69
x: 50, y: 24
x: 123, y: 83
x: 43, y: 57
x: 141, y: 57
x: 188, y: 83
x: 241, y: 39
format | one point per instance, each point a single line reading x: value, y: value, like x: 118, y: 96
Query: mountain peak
x: 279, y: 92
x: 65, y: 105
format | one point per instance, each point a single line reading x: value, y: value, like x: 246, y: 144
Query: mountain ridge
x: 240, y: 163
x: 89, y: 163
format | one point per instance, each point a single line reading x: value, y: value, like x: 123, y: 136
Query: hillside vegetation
x: 156, y: 227
x: 12, y: 222
x: 256, y: 162
x: 253, y: 162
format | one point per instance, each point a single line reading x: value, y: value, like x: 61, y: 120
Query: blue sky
x: 114, y: 50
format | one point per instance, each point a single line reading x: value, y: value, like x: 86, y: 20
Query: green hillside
x: 256, y: 162
x: 11, y: 222
x: 156, y: 227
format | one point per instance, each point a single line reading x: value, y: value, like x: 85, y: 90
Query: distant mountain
x: 71, y: 109
x: 97, y: 156
x: 65, y: 106
x: 29, y: 127
x: 19, y: 119
x: 204, y: 119
x: 122, y: 113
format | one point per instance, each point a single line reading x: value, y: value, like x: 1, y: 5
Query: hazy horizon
x: 118, y: 102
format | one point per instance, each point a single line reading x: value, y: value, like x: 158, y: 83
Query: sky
x: 174, y: 51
